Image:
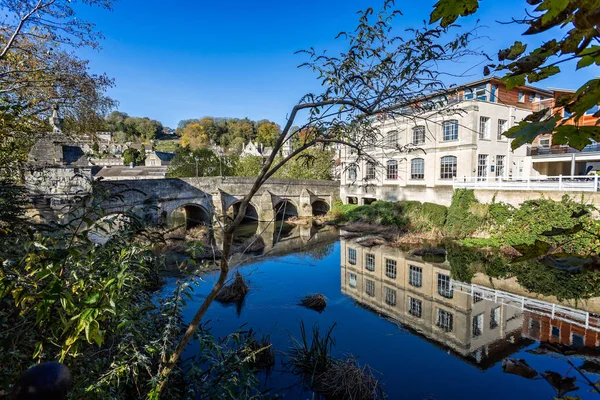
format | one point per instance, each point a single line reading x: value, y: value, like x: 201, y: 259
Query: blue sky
x: 187, y: 59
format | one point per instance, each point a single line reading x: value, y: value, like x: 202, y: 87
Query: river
x: 427, y: 336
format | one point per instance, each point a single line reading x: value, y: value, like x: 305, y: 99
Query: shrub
x: 499, y: 214
x: 461, y: 220
x: 435, y: 214
x: 378, y: 212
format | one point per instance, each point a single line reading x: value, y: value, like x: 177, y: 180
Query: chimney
x: 55, y: 121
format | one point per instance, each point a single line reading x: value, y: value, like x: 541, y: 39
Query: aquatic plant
x: 236, y: 291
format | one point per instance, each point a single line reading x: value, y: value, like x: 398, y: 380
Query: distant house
x: 256, y: 150
x: 159, y: 159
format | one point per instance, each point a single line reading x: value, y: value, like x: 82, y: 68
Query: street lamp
x: 197, y: 159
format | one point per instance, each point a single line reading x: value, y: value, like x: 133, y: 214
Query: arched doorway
x: 190, y: 216
x: 285, y: 209
x: 250, y: 215
x: 320, y: 207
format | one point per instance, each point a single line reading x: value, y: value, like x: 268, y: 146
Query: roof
x: 498, y: 79
x: 57, y: 149
x: 164, y: 156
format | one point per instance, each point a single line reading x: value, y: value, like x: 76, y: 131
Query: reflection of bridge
x: 196, y: 201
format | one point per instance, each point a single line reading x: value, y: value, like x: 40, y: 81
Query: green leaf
x: 514, y: 81
x: 576, y: 136
x: 449, y: 10
x: 553, y: 7
x: 92, y: 299
x: 586, y: 97
x: 526, y: 132
x: 589, y: 56
x: 543, y: 74
x: 513, y: 52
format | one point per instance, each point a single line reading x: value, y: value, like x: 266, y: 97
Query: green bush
x: 500, y: 214
x: 435, y: 214
x: 461, y: 221
x: 378, y: 212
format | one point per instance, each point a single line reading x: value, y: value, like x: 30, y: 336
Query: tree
x: 311, y: 164
x: 183, y: 164
x: 147, y: 128
x: 134, y: 156
x: 194, y: 137
x: 249, y: 166
x: 577, y: 39
x: 38, y: 70
x: 379, y: 78
x: 267, y: 133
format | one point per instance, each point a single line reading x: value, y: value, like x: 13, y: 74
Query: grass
x: 333, y: 378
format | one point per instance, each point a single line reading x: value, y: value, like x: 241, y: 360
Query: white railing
x: 579, y: 183
x: 555, y: 311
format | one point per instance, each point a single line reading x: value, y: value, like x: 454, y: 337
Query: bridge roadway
x: 201, y: 200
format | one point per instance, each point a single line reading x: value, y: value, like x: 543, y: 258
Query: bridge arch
x: 190, y: 215
x: 285, y: 209
x: 319, y: 207
x: 251, y: 211
x: 107, y: 226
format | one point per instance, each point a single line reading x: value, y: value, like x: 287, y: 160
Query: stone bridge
x: 204, y: 200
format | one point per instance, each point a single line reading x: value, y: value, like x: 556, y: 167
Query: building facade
x: 464, y: 141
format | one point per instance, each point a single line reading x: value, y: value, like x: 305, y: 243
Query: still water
x: 428, y: 337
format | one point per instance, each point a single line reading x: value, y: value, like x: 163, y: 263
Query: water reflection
x: 478, y: 324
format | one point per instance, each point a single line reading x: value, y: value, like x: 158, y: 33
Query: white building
x: 464, y: 142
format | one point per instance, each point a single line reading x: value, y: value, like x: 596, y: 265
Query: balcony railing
x: 584, y: 183
x: 539, y: 150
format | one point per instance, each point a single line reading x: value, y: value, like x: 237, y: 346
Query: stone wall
x: 517, y: 197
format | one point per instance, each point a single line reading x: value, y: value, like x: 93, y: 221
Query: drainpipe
x: 572, y: 165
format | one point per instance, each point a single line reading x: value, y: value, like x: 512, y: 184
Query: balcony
x: 541, y: 151
x: 583, y: 183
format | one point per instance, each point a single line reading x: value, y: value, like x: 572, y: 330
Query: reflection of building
x: 420, y: 296
x: 546, y: 329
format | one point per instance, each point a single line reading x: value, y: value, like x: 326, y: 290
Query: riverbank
x: 536, y: 228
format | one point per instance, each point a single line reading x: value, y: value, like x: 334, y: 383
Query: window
x: 502, y: 127
x: 352, y: 280
x: 390, y: 296
x: 370, y: 262
x: 555, y: 332
x: 500, y: 166
x: 477, y: 325
x: 370, y: 287
x: 352, y: 173
x: 566, y: 114
x: 545, y: 142
x: 531, y: 97
x: 390, y: 268
x: 494, y: 317
x: 351, y: 256
x: 445, y: 320
x: 484, y: 127
x: 477, y: 297
x: 417, y: 168
x: 392, y: 169
x: 450, y: 129
x: 469, y: 94
x: 370, y: 175
x: 418, y: 135
x: 444, y: 287
x: 534, y: 328
x: 577, y: 341
x: 481, y: 92
x: 391, y: 139
x: 415, y: 307
x: 370, y: 144
x: 482, y: 165
x: 415, y: 276
x: 521, y: 97
x: 592, y: 110
x: 448, y: 167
